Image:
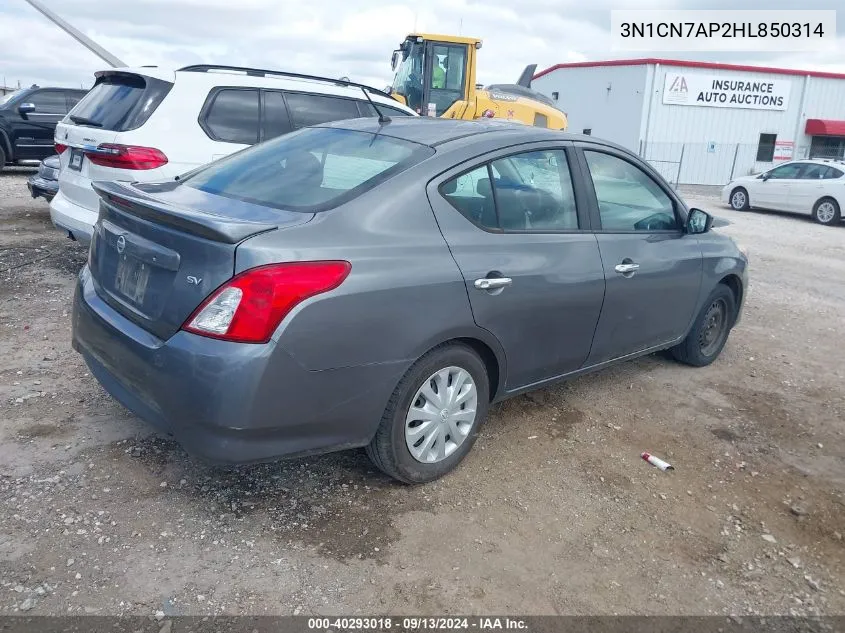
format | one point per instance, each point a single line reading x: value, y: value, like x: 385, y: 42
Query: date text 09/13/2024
x: 416, y: 624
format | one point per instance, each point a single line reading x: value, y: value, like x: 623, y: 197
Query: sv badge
x: 196, y: 281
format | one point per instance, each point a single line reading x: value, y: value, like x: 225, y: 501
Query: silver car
x: 379, y: 284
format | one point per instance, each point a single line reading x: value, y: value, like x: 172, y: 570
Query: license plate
x: 131, y: 279
x: 75, y: 159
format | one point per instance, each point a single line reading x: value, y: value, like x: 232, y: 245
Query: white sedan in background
x: 813, y: 186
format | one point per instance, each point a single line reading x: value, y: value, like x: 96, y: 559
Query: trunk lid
x: 159, y: 249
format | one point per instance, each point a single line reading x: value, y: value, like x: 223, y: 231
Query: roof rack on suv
x: 261, y: 72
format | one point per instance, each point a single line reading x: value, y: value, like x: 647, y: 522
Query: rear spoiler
x: 128, y: 199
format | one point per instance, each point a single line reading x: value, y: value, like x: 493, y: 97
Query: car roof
x: 240, y: 77
x: 434, y: 131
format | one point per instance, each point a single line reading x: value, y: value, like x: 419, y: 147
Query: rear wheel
x: 709, y: 333
x: 433, y: 416
x: 827, y: 211
x: 2, y: 157
x: 739, y: 199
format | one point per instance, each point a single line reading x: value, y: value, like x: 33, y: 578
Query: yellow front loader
x: 435, y: 76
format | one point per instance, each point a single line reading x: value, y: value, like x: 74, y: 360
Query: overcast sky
x: 342, y: 37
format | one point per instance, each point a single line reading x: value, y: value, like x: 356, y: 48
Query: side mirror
x: 698, y: 222
x: 26, y: 108
x: 394, y: 60
x: 764, y: 177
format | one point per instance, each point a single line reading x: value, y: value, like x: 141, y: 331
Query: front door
x: 533, y: 275
x: 34, y: 131
x: 773, y: 192
x: 653, y: 269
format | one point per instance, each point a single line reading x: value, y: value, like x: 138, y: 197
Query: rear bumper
x: 228, y: 402
x: 77, y: 220
x: 41, y: 188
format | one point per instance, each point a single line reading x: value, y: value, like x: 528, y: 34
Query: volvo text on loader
x: 435, y: 76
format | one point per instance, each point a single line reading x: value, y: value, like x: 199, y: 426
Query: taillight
x: 249, y: 307
x: 60, y: 147
x: 126, y: 156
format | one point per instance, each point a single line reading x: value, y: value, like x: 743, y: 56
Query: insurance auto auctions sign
x: 726, y: 91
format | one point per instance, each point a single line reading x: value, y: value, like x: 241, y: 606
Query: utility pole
x: 76, y: 34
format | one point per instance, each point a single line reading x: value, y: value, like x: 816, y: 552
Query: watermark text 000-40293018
x: 711, y: 30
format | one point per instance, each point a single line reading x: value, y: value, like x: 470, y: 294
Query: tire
x: 390, y: 449
x: 739, y: 199
x: 826, y: 211
x: 2, y: 156
x: 701, y: 348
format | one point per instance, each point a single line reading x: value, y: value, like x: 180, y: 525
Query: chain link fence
x: 719, y: 163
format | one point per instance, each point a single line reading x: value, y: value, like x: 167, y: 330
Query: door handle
x: 486, y: 283
x: 626, y: 268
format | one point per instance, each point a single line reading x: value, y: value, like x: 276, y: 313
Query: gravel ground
x: 552, y: 513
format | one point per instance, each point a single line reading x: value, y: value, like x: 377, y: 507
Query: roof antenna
x: 381, y: 117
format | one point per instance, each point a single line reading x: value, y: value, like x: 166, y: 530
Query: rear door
x: 811, y: 186
x: 35, y: 130
x: 516, y: 225
x: 653, y: 269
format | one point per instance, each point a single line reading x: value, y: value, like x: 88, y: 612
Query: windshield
x: 312, y: 169
x: 408, y: 81
x: 7, y: 98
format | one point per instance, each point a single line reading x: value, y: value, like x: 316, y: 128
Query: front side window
x: 48, y: 102
x: 628, y: 198
x: 309, y: 109
x: 312, y: 169
x: 531, y: 191
x: 233, y: 116
x: 792, y: 170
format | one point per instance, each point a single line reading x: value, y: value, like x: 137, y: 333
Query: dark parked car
x: 356, y: 284
x: 28, y: 119
x: 45, y: 182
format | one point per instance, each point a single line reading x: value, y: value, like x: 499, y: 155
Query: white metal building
x: 700, y: 122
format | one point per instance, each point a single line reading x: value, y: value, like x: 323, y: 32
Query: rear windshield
x: 120, y: 102
x: 312, y: 169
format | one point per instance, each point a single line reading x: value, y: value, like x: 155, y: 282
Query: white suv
x: 150, y: 124
x: 813, y: 186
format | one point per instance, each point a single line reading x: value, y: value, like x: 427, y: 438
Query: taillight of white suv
x: 126, y: 156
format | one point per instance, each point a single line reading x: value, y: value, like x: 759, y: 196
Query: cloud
x: 338, y: 37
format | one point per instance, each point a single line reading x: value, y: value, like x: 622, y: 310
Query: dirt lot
x: 552, y: 513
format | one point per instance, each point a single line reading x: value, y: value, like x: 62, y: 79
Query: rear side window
x: 276, y: 119
x: 832, y: 172
x: 232, y: 116
x: 308, y: 109
x: 308, y: 170
x: 120, y: 102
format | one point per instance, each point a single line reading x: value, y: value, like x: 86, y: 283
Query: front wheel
x: 433, y: 416
x: 739, y: 199
x: 709, y: 333
x: 826, y: 211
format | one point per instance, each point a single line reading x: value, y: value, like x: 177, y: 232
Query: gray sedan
x: 380, y: 284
